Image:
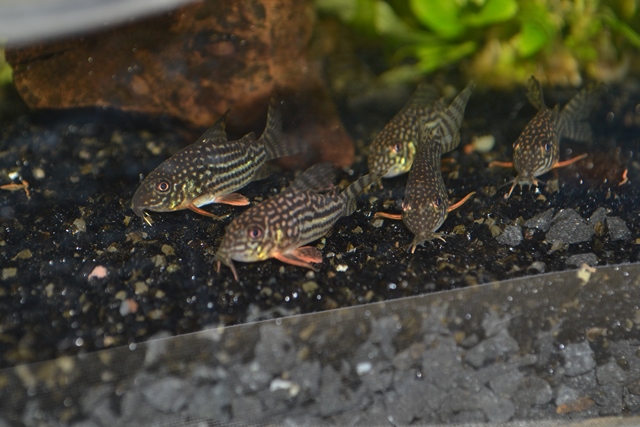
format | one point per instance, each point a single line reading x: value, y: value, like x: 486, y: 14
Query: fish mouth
x: 392, y: 171
x: 139, y: 210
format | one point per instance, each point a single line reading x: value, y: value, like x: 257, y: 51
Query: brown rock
x: 194, y: 64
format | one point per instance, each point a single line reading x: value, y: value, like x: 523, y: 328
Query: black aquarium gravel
x: 80, y: 272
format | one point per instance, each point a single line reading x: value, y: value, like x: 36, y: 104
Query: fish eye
x: 437, y: 202
x: 163, y: 186
x: 254, y: 232
x: 547, y: 147
x: 397, y: 147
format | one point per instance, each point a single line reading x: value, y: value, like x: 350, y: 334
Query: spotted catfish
x: 394, y: 148
x: 426, y: 203
x: 537, y: 149
x: 280, y: 226
x: 211, y: 170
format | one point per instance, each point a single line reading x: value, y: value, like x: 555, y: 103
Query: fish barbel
x: 426, y: 203
x: 211, y: 169
x: 537, y: 149
x: 280, y: 226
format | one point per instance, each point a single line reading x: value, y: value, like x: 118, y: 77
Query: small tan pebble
x: 9, y: 273
x: 159, y: 260
x: 172, y: 268
x: 79, y: 226
x: 483, y: 143
x: 25, y: 254
x: 377, y: 222
x: 357, y: 230
x: 99, y: 272
x: 495, y: 230
x: 342, y: 268
x: 167, y: 250
x: 140, y: 288
x: 38, y: 173
x: 74, y: 179
x: 309, y: 287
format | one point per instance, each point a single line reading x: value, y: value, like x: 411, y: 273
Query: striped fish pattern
x: 394, y: 148
x: 280, y: 226
x: 537, y: 149
x: 426, y: 203
x: 211, y: 170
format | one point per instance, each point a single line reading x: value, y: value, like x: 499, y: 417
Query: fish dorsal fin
x: 424, y: 95
x: 216, y: 133
x: 317, y: 178
x: 275, y: 142
x: 534, y: 93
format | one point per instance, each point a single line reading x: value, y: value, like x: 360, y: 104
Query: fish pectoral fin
x: 197, y: 210
x: 570, y: 161
x: 387, y: 215
x: 263, y: 172
x: 233, y: 199
x: 501, y: 164
x: 461, y: 202
x: 301, y: 257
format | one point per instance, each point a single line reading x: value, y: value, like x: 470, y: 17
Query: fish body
x: 210, y: 170
x: 394, y: 148
x: 280, y: 226
x: 537, y: 149
x: 426, y: 203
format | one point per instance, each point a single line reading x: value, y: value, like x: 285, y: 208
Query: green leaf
x: 441, y: 16
x: 629, y: 33
x: 435, y: 56
x: 365, y: 16
x: 492, y: 12
x: 389, y: 24
x: 533, y: 37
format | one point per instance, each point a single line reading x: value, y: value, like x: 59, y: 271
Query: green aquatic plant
x: 5, y: 69
x: 502, y: 41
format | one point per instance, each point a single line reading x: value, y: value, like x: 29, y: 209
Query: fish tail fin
x: 274, y: 140
x: 356, y: 187
x: 573, y: 119
x: 451, y: 119
x: 534, y: 93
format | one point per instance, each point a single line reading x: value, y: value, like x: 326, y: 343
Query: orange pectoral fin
x: 301, y: 257
x: 461, y: 202
x: 233, y: 199
x: 501, y: 164
x: 197, y: 210
x: 387, y: 215
x: 570, y: 161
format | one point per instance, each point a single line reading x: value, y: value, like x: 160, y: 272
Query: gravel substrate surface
x: 532, y: 349
x: 80, y: 272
